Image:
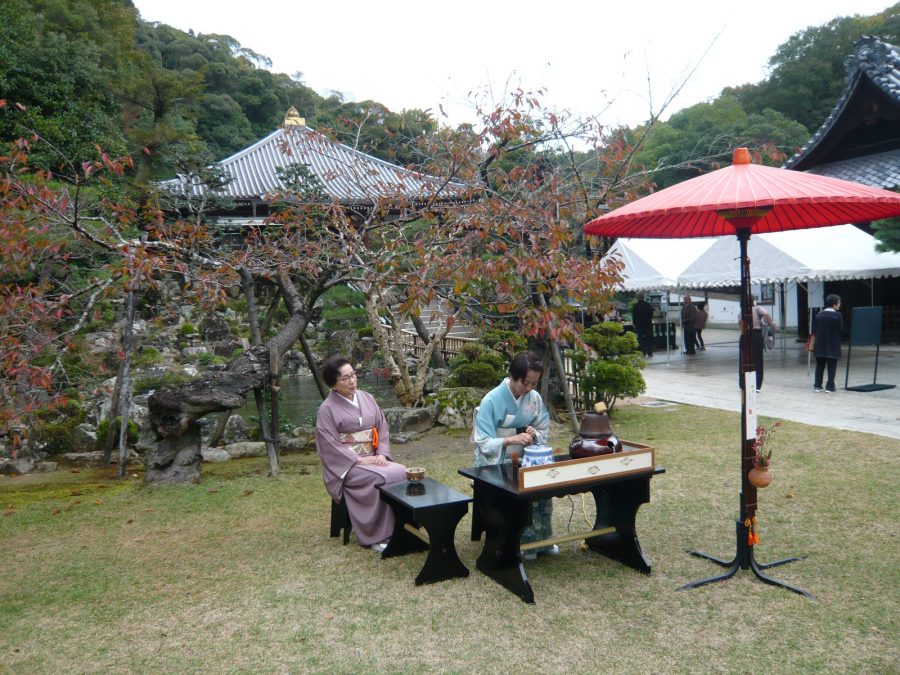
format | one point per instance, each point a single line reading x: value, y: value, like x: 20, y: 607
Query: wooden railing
x: 450, y: 345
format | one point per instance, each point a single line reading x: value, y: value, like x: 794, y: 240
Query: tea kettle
x: 595, y: 436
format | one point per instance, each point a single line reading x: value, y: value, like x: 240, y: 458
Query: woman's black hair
x: 524, y: 362
x: 832, y: 300
x: 331, y: 369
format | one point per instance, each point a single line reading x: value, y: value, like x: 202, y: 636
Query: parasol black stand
x: 744, y: 556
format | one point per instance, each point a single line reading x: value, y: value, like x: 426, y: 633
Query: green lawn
x: 238, y: 574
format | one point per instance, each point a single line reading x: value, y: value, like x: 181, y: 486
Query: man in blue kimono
x: 511, y: 416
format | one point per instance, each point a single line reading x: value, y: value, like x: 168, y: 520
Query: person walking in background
x: 700, y: 323
x: 688, y: 320
x: 827, y: 329
x: 760, y: 318
x: 642, y: 318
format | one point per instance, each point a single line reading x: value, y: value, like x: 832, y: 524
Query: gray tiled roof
x: 879, y: 63
x: 881, y: 170
x: 347, y: 175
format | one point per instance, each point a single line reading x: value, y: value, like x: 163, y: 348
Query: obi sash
x: 363, y: 442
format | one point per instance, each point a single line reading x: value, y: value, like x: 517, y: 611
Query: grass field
x: 238, y: 574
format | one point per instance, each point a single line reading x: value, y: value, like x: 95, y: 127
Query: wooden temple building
x: 338, y: 173
x: 860, y: 141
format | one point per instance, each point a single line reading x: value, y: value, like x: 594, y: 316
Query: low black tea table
x: 436, y: 507
x: 502, y: 511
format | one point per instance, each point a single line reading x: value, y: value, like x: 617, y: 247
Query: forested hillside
x: 92, y: 73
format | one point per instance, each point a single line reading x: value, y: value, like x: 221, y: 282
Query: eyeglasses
x: 349, y: 376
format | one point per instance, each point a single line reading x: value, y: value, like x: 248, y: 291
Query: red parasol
x: 704, y: 206
x: 742, y: 199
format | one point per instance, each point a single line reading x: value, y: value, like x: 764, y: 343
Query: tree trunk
x: 570, y: 405
x: 125, y: 391
x: 265, y: 429
x: 401, y: 384
x: 437, y: 355
x: 317, y: 376
x: 110, y: 441
x: 219, y: 431
x: 557, y: 359
x: 274, y: 389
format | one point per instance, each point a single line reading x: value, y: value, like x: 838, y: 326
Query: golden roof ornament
x: 292, y: 118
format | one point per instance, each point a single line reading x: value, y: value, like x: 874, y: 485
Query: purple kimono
x: 343, y: 433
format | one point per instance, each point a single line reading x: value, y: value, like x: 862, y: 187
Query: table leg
x: 442, y: 561
x: 503, y: 521
x: 402, y: 541
x: 617, y: 506
x: 477, y: 520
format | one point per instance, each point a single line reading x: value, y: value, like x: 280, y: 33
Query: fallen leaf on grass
x: 129, y: 521
x: 76, y: 493
x: 328, y: 615
x: 789, y: 495
x: 75, y: 471
x: 9, y: 512
x: 211, y: 491
x: 98, y: 501
x: 248, y: 492
x: 55, y: 512
x: 149, y: 510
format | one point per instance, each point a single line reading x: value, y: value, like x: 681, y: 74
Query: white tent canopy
x: 652, y: 264
x: 820, y: 254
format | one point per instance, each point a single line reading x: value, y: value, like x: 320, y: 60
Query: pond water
x: 300, y: 400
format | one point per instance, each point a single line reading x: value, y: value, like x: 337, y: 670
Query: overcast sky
x: 591, y: 57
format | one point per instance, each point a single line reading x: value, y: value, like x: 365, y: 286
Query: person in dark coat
x: 642, y: 318
x: 699, y: 324
x: 827, y: 329
x: 688, y: 332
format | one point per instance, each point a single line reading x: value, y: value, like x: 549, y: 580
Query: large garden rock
x: 236, y: 430
x: 296, y: 444
x: 16, y: 467
x: 434, y: 379
x: 246, y: 449
x: 215, y: 329
x: 176, y: 459
x: 454, y: 406
x: 95, y: 457
x: 408, y: 419
x: 215, y: 455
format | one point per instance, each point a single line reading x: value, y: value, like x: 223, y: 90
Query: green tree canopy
x: 701, y: 138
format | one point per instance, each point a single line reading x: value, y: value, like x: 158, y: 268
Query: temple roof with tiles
x: 346, y: 175
x: 860, y: 139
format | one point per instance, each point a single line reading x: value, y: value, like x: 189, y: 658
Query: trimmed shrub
x: 103, y: 429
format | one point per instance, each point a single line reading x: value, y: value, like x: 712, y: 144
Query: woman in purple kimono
x: 354, y: 443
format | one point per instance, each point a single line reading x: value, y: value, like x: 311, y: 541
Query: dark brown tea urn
x: 595, y: 436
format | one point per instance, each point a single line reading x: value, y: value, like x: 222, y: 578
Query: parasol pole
x: 742, y: 220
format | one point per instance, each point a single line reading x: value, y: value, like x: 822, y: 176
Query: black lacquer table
x: 501, y: 511
x: 436, y: 507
